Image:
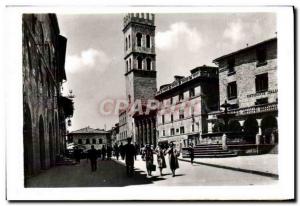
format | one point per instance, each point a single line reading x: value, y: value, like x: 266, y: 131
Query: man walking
x: 92, y: 155
x: 129, y: 151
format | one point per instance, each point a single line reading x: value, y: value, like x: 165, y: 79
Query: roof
x: 88, y: 130
x: 245, y: 49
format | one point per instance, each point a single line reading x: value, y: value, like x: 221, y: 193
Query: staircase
x: 208, y: 151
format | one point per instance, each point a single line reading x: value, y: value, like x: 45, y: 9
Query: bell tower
x: 140, y: 58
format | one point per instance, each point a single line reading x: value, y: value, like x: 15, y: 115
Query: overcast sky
x: 95, y: 65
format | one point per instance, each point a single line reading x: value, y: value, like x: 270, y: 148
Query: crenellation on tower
x: 142, y: 18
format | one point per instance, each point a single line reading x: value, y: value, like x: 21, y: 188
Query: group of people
x: 120, y: 150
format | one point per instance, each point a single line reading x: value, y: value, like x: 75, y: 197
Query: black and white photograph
x: 163, y: 104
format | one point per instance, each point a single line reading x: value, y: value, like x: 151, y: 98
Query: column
x: 147, y: 131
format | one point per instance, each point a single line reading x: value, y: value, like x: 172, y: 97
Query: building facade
x: 140, y: 76
x: 44, y: 107
x: 248, y: 82
x: 184, y: 105
x: 86, y: 137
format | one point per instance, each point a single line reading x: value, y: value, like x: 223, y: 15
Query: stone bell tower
x: 140, y: 73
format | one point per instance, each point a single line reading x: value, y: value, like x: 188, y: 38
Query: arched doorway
x: 27, y: 142
x: 234, y: 126
x: 269, y: 129
x: 51, y: 154
x: 42, y: 143
x: 250, y: 129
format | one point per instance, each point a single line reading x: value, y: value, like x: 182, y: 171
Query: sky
x: 95, y: 55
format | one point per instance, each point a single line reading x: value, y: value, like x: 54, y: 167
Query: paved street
x: 112, y: 173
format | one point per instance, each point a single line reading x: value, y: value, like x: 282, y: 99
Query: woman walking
x: 161, y: 162
x: 149, y: 159
x: 173, y: 161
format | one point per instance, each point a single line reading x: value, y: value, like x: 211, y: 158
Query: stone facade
x: 86, y: 137
x: 140, y: 76
x: 248, y: 82
x: 45, y: 110
x: 182, y: 116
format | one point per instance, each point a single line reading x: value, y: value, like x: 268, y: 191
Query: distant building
x: 140, y: 76
x: 86, y: 137
x: 115, y: 134
x: 45, y: 109
x: 248, y: 81
x: 186, y: 103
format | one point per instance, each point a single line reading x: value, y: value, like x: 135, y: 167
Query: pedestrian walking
x: 122, y: 151
x: 109, y: 152
x: 103, y: 151
x: 161, y: 162
x: 92, y: 155
x: 129, y: 151
x: 149, y: 159
x: 77, y: 154
x: 191, y: 153
x: 173, y: 160
x: 116, y: 151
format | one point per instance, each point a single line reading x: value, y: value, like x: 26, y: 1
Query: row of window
x: 261, y: 85
x: 178, y: 131
x: 88, y: 141
x: 139, y: 41
x: 261, y: 58
x: 181, y: 115
x: 139, y: 64
x: 181, y: 96
x: 123, y: 135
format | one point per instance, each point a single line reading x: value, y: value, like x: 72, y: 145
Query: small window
x: 129, y: 64
x: 232, y: 90
x: 140, y: 62
x: 164, y: 133
x: 181, y: 96
x: 87, y: 141
x: 148, y: 64
x: 181, y: 130
x: 126, y: 43
x: 192, y: 92
x: 172, y: 131
x: 79, y: 141
x: 261, y: 82
x: 94, y: 141
x: 261, y: 56
x: 139, y: 39
x: 172, y: 118
x: 126, y: 66
x: 171, y: 100
x: 230, y: 66
x: 163, y: 119
x: 193, y: 127
x: 177, y: 130
x: 148, y: 41
x: 181, y: 114
x: 261, y: 101
x: 129, y: 41
x: 100, y: 141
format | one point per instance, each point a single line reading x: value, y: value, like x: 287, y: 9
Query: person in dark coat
x: 173, y: 160
x: 103, y: 151
x: 77, y: 154
x: 116, y: 151
x: 149, y: 159
x: 109, y: 152
x: 129, y: 151
x: 122, y: 151
x: 191, y: 153
x: 92, y: 155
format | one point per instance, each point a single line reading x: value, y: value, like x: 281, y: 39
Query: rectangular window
x: 181, y: 130
x: 230, y: 66
x: 261, y: 82
x: 261, y: 101
x: 177, y: 130
x: 79, y: 141
x: 172, y: 118
x: 87, y: 141
x: 164, y: 133
x: 100, y: 141
x: 192, y: 92
x: 181, y: 114
x: 181, y: 96
x: 94, y: 141
x: 232, y: 90
x: 193, y: 128
x: 171, y: 100
x: 172, y: 131
x: 261, y: 56
x: 163, y: 119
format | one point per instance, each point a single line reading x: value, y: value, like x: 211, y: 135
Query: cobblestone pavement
x: 111, y: 173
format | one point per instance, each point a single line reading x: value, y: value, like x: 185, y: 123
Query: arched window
x: 148, y: 64
x: 129, y: 41
x: 140, y: 62
x: 148, y: 41
x: 129, y: 64
x: 126, y: 44
x: 100, y: 141
x: 139, y: 39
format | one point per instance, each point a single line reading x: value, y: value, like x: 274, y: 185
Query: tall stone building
x: 140, y: 75
x: 248, y: 82
x: 44, y: 107
x: 186, y: 101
